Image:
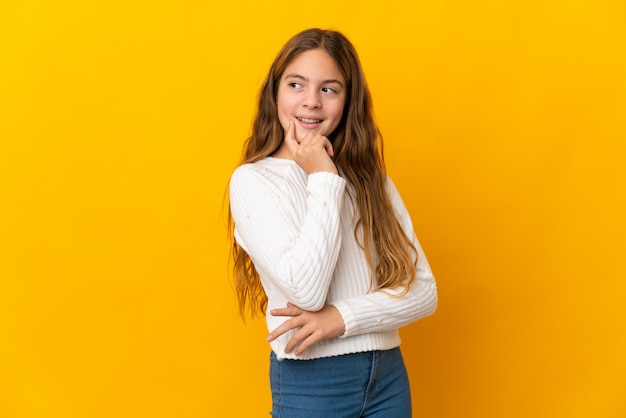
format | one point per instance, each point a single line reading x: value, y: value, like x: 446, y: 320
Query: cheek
x: 282, y: 113
x: 338, y: 114
x: 284, y: 120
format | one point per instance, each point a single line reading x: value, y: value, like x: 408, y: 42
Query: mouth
x: 308, y: 120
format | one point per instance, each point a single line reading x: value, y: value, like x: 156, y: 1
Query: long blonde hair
x: 358, y: 154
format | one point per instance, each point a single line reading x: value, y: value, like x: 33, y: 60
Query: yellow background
x: 120, y: 122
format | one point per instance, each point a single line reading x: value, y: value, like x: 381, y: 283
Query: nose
x: 311, y: 100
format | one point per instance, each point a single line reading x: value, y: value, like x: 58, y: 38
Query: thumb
x: 329, y: 149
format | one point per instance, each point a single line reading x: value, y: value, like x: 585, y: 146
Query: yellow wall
x: 120, y: 123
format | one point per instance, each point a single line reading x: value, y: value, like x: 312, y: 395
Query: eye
x: 329, y: 90
x: 295, y: 85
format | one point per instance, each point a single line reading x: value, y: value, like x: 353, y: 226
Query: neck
x: 283, y: 152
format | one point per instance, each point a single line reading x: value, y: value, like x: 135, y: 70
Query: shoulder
x: 267, y: 167
x: 395, y: 198
x: 268, y: 173
x: 391, y: 188
x: 245, y: 172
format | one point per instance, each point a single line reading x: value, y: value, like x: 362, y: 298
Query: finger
x: 291, y: 305
x: 329, y: 149
x: 308, y: 342
x: 297, y: 340
x: 291, y: 130
x: 282, y: 328
x: 290, y: 310
x: 290, y: 138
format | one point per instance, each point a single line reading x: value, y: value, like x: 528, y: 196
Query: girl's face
x: 312, y: 93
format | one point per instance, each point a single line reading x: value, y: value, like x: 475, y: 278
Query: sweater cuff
x: 347, y: 315
x: 323, y: 182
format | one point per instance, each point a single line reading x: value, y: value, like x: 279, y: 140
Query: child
x: 323, y: 242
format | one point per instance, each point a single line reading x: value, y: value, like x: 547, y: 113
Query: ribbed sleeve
x: 384, y: 310
x: 299, y: 231
x: 291, y: 233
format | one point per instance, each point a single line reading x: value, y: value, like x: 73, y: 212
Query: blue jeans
x: 371, y: 384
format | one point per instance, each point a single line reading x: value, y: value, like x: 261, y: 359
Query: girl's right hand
x: 311, y: 327
x: 313, y: 153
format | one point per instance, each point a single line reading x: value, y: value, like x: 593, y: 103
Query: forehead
x: 314, y: 64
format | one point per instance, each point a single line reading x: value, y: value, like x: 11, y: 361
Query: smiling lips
x: 309, y: 121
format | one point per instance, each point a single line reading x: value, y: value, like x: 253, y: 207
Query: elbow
x: 426, y: 300
x: 307, y: 294
x: 435, y: 303
x: 433, y: 300
x: 306, y: 300
x: 307, y: 303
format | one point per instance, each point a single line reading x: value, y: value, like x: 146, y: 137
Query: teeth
x: 309, y: 120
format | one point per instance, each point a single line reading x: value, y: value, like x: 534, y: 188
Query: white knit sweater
x: 299, y: 232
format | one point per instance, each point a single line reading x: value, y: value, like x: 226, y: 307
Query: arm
x: 380, y: 311
x: 292, y: 236
x: 373, y: 312
x: 384, y: 310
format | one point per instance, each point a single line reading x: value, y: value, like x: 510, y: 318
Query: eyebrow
x: 301, y: 77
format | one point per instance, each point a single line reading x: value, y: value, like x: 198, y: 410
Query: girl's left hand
x: 313, y: 326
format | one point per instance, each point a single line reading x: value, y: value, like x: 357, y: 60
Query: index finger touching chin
x: 291, y: 132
